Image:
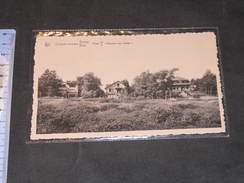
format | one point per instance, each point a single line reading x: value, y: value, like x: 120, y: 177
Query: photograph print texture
x: 98, y: 85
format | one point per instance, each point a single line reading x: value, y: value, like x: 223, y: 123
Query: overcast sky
x: 113, y: 58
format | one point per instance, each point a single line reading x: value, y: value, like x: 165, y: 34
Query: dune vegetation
x: 61, y: 115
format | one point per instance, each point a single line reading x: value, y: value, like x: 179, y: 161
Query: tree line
x: 207, y: 84
x: 146, y: 84
x: 89, y: 85
x: 153, y: 85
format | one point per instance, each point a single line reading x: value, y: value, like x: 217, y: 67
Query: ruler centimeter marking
x: 7, y: 45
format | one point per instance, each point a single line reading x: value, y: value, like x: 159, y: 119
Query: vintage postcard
x: 120, y: 84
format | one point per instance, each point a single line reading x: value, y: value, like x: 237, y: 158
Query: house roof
x: 109, y: 85
x: 182, y: 84
x: 179, y: 78
x: 181, y: 81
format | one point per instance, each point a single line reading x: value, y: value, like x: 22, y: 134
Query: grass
x: 103, y: 114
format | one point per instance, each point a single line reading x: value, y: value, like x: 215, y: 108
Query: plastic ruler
x: 7, y: 45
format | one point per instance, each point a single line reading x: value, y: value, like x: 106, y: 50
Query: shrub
x: 92, y: 93
x: 140, y: 98
x: 186, y: 106
x: 193, y: 117
x: 109, y: 100
x: 108, y: 106
x: 196, y: 96
x: 109, y: 114
x: 175, y: 94
x: 45, y: 112
x: 162, y: 115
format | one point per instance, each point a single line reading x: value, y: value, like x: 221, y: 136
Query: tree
x: 49, y: 83
x: 154, y: 85
x: 143, y: 84
x: 71, y: 83
x: 208, y: 83
x: 164, y: 82
x: 127, y: 87
x: 89, y: 86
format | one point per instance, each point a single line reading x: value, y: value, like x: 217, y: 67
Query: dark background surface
x: 217, y: 160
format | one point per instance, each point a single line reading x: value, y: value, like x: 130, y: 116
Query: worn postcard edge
x: 144, y: 134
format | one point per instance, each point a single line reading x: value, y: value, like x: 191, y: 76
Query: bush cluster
x: 85, y: 115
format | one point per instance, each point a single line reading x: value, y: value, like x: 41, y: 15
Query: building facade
x: 116, y: 89
x: 66, y: 91
x: 182, y: 86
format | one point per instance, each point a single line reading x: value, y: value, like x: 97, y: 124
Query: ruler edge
x: 9, y: 106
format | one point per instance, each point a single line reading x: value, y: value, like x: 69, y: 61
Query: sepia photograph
x: 101, y: 84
